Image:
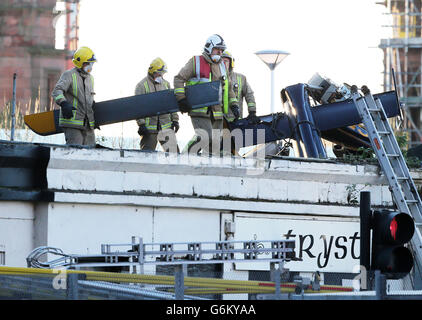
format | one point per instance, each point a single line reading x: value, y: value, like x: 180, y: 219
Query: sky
x: 337, y: 38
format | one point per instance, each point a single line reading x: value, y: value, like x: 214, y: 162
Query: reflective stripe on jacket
x: 77, y: 88
x: 190, y: 75
x: 242, y: 90
x: 148, y: 85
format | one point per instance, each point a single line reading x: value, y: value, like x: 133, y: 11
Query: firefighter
x: 242, y: 91
x: 74, y: 93
x: 160, y: 128
x: 207, y: 121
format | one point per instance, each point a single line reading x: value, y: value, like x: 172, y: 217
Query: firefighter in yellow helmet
x: 74, y: 93
x: 160, y: 128
x: 242, y: 90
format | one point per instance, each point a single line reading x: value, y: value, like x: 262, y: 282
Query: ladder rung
x: 382, y: 130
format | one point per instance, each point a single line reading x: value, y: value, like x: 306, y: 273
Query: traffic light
x: 391, y: 230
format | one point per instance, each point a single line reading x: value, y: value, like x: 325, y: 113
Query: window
x: 52, y: 78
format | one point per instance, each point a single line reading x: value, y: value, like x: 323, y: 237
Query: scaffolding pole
x: 13, y: 116
x: 403, y: 54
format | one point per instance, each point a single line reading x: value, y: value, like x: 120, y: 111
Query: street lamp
x: 272, y: 58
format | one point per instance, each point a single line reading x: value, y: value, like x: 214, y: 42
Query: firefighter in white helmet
x: 160, y: 128
x: 207, y: 121
x: 74, y: 93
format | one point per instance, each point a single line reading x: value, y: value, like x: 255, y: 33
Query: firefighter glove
x: 183, y: 105
x: 252, y: 118
x: 142, y: 131
x: 175, y: 126
x: 235, y: 110
x: 67, y: 109
x: 96, y: 126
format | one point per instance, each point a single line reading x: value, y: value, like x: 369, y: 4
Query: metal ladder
x: 392, y: 162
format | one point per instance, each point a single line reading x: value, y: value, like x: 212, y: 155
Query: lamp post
x: 272, y: 58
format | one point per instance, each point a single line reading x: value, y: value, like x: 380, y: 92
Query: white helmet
x: 215, y: 41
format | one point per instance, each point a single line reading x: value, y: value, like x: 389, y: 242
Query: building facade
x: 27, y: 41
x: 77, y: 199
x: 402, y: 53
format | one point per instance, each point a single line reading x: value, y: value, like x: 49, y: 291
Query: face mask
x: 215, y: 58
x: 159, y: 79
x: 88, y: 68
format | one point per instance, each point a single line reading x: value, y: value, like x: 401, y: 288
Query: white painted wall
x: 126, y: 173
x: 186, y: 225
x: 82, y: 228
x: 16, y: 231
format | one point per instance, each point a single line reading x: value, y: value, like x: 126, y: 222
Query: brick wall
x: 27, y: 42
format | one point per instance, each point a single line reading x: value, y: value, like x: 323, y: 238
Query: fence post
x: 12, y: 129
x: 276, y: 277
x: 179, y: 282
x: 72, y: 290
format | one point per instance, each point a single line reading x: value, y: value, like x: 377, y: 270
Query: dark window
x: 52, y: 78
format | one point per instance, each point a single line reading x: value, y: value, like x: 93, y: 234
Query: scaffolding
x: 72, y: 29
x: 70, y: 9
x: 403, y: 54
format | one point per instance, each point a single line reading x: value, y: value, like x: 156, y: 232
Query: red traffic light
x: 391, y: 230
x: 392, y: 227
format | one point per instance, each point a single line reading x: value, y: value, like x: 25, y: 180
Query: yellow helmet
x: 227, y: 54
x: 82, y: 55
x: 157, y: 65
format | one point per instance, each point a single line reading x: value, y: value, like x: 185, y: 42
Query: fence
x: 57, y: 284
x: 63, y: 284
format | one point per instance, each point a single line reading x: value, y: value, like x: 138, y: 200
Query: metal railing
x: 63, y: 284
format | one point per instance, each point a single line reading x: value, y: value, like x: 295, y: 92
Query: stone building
x: 27, y: 47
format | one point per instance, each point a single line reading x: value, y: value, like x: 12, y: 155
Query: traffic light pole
x: 380, y: 285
